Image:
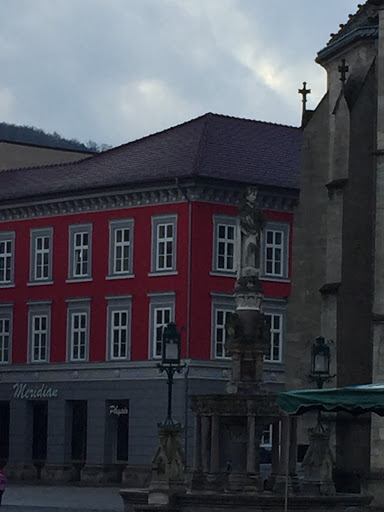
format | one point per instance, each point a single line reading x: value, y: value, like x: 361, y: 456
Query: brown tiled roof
x: 213, y: 146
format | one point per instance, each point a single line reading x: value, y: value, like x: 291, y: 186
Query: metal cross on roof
x: 304, y: 92
x: 343, y: 70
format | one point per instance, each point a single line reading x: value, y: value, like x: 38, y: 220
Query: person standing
x: 3, y: 481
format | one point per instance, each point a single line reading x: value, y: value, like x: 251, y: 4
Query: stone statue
x: 252, y: 222
x: 167, y: 468
x: 318, y: 462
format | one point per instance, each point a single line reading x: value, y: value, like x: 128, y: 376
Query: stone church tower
x: 338, y: 261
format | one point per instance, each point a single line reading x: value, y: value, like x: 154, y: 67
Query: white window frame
x: 228, y: 222
x: 158, y: 242
x: 78, y: 251
x: 271, y: 249
x: 119, y: 305
x: 126, y: 246
x: 6, y: 315
x: 224, y: 303
x: 78, y: 308
x: 159, y: 302
x: 276, y: 309
x: 39, y: 310
x: 7, y: 258
x: 36, y: 253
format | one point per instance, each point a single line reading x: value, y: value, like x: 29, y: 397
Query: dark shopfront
x: 95, y: 423
x: 64, y: 431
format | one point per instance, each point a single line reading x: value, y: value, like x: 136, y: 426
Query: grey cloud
x: 114, y: 70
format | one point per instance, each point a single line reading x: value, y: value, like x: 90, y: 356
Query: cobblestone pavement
x: 39, y: 498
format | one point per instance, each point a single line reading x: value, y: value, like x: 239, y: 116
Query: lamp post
x: 320, y: 362
x: 170, y: 363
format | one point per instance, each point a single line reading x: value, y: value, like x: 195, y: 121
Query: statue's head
x: 251, y: 194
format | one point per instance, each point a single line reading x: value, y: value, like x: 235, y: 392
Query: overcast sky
x: 116, y: 70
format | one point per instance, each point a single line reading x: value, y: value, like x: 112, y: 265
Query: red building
x: 97, y: 256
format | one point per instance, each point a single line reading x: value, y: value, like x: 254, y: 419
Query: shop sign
x: 118, y: 411
x: 24, y: 392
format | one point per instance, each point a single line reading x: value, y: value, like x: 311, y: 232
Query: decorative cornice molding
x: 336, y: 187
x: 113, y: 201
x: 330, y: 288
x: 378, y: 318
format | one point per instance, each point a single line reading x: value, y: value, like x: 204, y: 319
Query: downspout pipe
x: 188, y: 327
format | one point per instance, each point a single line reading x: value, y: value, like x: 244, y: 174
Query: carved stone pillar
x: 280, y: 479
x: 293, y: 446
x: 275, y: 455
x: 197, y: 450
x: 197, y: 476
x: 205, y: 443
x: 215, y: 445
x: 284, y: 445
x: 251, y: 445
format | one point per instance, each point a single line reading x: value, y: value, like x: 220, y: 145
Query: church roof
x: 212, y: 146
x: 361, y: 25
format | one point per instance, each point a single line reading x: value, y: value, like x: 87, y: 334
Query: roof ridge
x: 248, y: 120
x: 48, y: 166
x: 207, y: 115
x: 194, y: 119
x: 136, y: 141
x: 46, y: 146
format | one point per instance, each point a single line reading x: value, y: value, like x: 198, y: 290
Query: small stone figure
x: 252, y: 222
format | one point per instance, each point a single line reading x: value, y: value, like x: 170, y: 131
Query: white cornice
x: 18, y: 210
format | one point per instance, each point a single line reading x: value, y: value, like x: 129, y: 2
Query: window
x: 80, y: 251
x: 121, y: 247
x: 164, y: 231
x: 78, y: 329
x: 7, y: 258
x: 224, y: 244
x: 39, y: 331
x: 162, y: 311
x: 41, y: 255
x: 222, y: 307
x: 275, y: 250
x: 6, y: 317
x: 275, y: 321
x: 119, y: 324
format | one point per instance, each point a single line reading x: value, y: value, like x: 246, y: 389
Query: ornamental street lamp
x: 320, y: 362
x: 170, y: 363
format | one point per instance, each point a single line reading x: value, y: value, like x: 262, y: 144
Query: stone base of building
x: 374, y: 486
x: 239, y: 482
x: 21, y: 471
x: 197, y: 481
x: 101, y: 473
x: 58, y: 473
x: 279, y: 484
x: 137, y: 501
x: 228, y: 482
x: 136, y: 476
x: 324, y: 488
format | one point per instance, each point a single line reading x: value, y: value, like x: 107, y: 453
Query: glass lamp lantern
x: 321, y: 357
x: 171, y: 345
